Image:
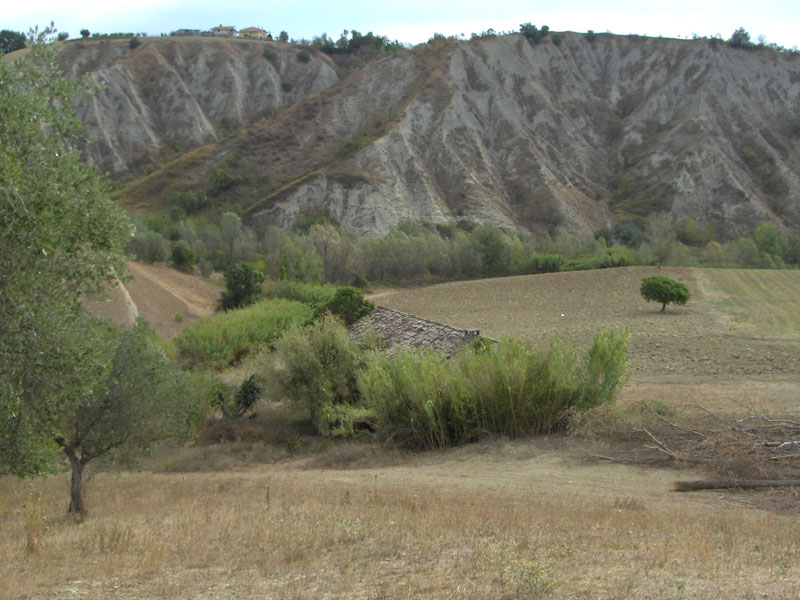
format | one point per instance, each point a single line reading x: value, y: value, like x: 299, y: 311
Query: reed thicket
x: 510, y: 389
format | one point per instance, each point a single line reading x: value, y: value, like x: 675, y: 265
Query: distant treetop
x: 740, y: 39
x: 11, y: 41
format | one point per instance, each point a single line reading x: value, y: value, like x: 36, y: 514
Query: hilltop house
x: 254, y: 32
x: 224, y: 30
x: 400, y: 330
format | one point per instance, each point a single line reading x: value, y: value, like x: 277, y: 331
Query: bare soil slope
x: 572, y: 133
x: 159, y: 294
x: 172, y: 94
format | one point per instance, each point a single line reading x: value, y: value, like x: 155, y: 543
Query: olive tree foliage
x: 316, y: 368
x: 658, y: 288
x: 61, y: 239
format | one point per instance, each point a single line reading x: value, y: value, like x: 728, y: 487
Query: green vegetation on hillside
x: 84, y: 391
x: 418, y: 399
x: 319, y: 250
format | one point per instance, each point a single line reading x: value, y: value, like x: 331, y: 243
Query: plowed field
x: 738, y: 323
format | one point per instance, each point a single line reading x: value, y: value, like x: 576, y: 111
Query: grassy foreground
x: 495, y: 521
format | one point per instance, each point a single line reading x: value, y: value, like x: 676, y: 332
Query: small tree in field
x: 658, y: 288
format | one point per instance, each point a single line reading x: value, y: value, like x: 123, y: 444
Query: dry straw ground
x: 499, y: 519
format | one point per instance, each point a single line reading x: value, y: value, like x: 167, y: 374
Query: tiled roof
x: 400, y: 330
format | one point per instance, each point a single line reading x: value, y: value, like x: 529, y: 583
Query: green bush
x: 221, y: 180
x: 511, y: 389
x: 247, y: 395
x: 545, y: 263
x: 531, y: 33
x: 626, y: 232
x: 615, y: 256
x: 183, y: 256
x: 206, y: 268
x: 227, y: 337
x: 303, y: 56
x: 313, y: 294
x: 348, y: 304
x: 316, y: 369
x: 242, y: 286
x: 148, y: 245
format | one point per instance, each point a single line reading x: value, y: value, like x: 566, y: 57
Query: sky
x: 415, y: 21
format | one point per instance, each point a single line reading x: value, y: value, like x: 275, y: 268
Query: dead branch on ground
x: 753, y: 447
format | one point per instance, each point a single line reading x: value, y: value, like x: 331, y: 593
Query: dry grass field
x: 500, y: 519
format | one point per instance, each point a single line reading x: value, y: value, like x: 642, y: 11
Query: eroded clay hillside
x: 170, y: 95
x: 496, y: 129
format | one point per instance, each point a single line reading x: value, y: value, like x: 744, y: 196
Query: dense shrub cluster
x: 348, y: 304
x: 316, y: 368
x: 418, y: 399
x: 353, y: 42
x: 242, y: 286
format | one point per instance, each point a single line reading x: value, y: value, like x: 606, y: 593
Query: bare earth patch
x: 158, y: 293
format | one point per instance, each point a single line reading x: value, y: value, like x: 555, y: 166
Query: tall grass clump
x: 419, y: 400
x: 520, y: 389
x: 225, y: 338
x: 511, y: 389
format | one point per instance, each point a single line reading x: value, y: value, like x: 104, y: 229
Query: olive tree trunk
x: 77, y: 502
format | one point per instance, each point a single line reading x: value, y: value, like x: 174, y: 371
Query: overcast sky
x: 415, y: 21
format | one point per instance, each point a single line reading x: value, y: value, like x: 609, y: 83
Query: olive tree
x: 133, y: 397
x: 61, y: 239
x: 658, y: 288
